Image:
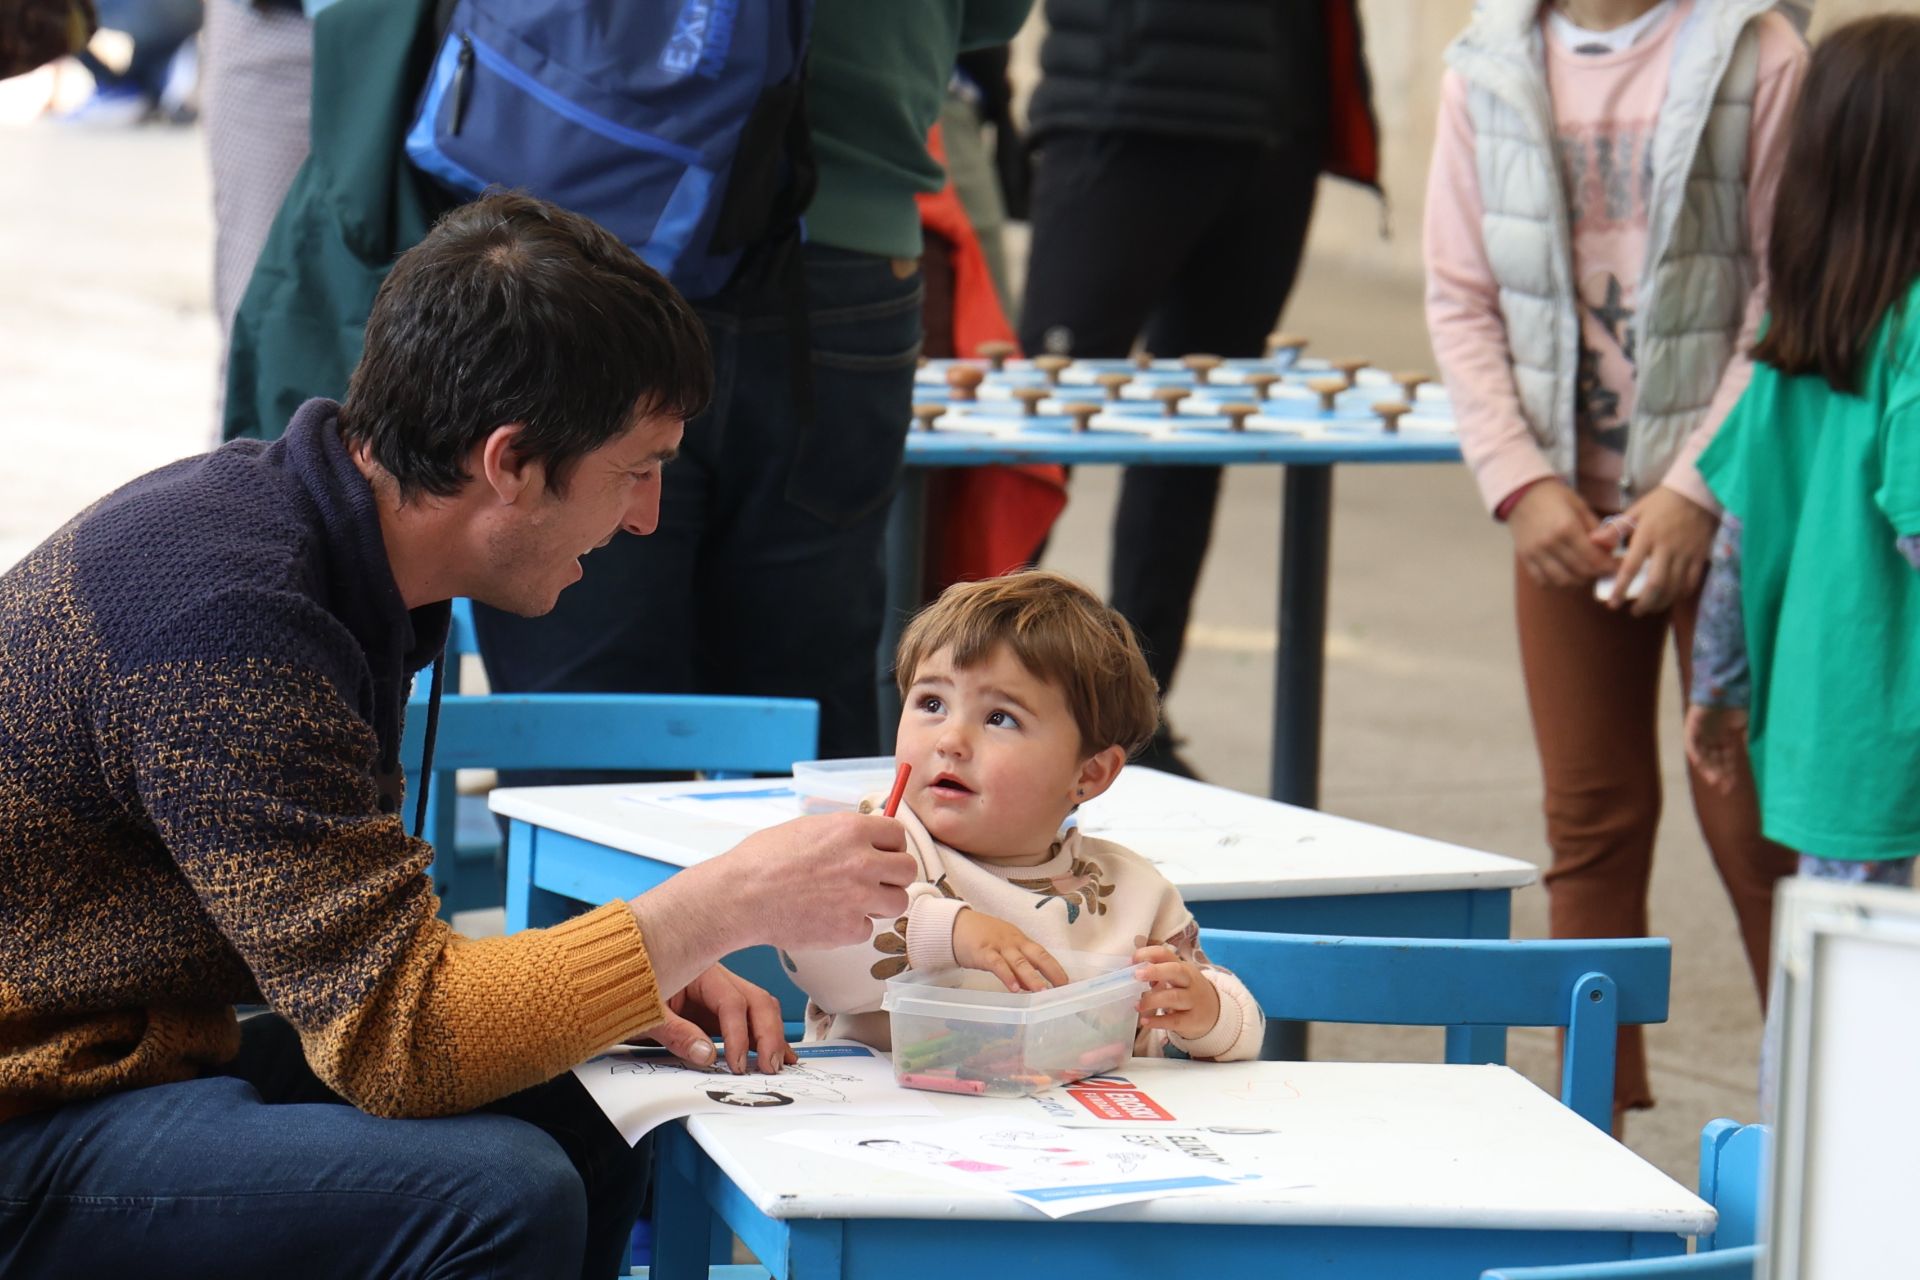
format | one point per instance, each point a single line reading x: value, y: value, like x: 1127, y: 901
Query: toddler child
x: 1023, y: 697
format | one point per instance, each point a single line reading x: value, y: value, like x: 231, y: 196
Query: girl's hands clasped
x: 1671, y: 536
x: 1182, y: 1001
x: 1552, y: 527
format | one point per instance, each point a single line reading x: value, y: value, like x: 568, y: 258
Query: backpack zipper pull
x: 462, y: 81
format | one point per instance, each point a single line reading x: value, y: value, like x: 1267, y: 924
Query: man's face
x: 534, y: 553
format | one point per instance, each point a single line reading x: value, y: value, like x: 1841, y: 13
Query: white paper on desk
x: 1057, y: 1171
x: 752, y: 809
x: 642, y: 1087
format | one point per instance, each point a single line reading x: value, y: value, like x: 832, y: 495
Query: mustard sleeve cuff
x: 615, y: 992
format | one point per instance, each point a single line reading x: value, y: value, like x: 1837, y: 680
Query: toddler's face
x: 995, y: 755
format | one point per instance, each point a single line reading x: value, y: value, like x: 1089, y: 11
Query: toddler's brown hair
x: 1062, y: 633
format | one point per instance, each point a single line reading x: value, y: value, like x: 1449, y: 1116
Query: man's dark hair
x: 515, y: 310
x: 1845, y: 246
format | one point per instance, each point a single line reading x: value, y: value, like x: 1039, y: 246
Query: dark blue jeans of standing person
x: 765, y: 575
x: 261, y: 1171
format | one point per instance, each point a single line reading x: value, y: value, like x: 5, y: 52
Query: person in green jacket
x: 1808, y: 650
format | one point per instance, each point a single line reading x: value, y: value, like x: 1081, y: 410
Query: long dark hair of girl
x: 1846, y: 227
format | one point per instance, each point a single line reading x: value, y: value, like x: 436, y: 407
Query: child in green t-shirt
x: 1808, y: 648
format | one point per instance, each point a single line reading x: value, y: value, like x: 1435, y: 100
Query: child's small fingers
x: 1166, y: 1001
x: 1171, y: 973
x: 1052, y: 970
x: 997, y: 965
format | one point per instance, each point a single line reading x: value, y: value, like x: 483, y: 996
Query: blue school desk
x: 1289, y: 429
x: 1365, y: 1170
x: 1240, y: 861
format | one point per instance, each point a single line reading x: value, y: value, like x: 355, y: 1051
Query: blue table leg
x: 684, y: 1223
x: 530, y: 907
x: 1306, y: 526
x: 1489, y: 916
x: 906, y: 587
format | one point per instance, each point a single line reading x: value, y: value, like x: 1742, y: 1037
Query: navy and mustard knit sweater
x: 202, y: 679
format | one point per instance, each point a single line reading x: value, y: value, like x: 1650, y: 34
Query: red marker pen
x: 899, y: 787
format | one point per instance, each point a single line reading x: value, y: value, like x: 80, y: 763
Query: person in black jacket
x: 1178, y: 149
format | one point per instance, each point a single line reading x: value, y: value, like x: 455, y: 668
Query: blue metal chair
x: 1732, y: 1176
x: 1468, y: 986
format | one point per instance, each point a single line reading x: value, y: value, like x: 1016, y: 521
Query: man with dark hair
x: 201, y: 686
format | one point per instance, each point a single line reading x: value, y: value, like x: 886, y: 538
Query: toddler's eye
x: 1000, y: 719
x: 929, y: 703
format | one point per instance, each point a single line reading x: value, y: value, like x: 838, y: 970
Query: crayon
x: 942, y: 1084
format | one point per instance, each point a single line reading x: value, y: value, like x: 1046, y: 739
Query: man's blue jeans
x: 262, y: 1172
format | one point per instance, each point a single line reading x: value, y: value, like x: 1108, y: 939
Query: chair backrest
x: 562, y: 731
x: 720, y: 737
x: 1733, y: 1179
x: 1724, y: 1264
x: 1588, y: 987
x: 558, y: 731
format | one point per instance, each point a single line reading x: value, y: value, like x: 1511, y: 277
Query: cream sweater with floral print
x: 1091, y: 895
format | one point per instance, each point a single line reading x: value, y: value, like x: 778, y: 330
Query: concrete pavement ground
x: 107, y: 368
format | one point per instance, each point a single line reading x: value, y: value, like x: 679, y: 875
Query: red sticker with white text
x: 1116, y: 1098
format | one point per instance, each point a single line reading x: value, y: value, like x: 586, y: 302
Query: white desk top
x: 1348, y: 1144
x: 1212, y: 843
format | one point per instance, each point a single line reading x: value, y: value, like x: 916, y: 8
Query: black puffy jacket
x: 1255, y: 70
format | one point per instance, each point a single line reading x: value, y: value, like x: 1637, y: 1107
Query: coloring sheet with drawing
x: 640, y: 1087
x: 1056, y: 1170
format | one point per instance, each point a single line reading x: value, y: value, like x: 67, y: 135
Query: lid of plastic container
x: 972, y: 995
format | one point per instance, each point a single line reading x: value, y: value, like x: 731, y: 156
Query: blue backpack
x: 679, y: 127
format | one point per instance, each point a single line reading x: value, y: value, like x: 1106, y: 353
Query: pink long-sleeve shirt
x: 1605, y: 110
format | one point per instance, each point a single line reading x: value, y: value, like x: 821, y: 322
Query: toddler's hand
x: 1716, y: 742
x: 1182, y: 1001
x: 981, y: 941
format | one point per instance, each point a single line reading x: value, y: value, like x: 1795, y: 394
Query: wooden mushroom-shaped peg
x: 1237, y: 414
x: 1410, y: 381
x: 1112, y: 382
x: 964, y: 378
x: 1082, y: 415
x: 924, y: 414
x: 1328, y: 389
x: 1347, y: 368
x: 1259, y: 382
x: 1285, y: 342
x: 1052, y: 367
x: 1391, y: 411
x: 1201, y: 366
x: 1143, y: 359
x: 995, y: 353
x: 1030, y: 398
x: 1170, y: 398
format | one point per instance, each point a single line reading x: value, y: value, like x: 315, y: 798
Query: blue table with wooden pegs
x: 1301, y: 414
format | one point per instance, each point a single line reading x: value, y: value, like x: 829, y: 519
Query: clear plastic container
x: 832, y: 786
x: 962, y: 1031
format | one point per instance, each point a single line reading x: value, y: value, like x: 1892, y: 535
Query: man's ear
x: 499, y: 465
x: 1097, y: 773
